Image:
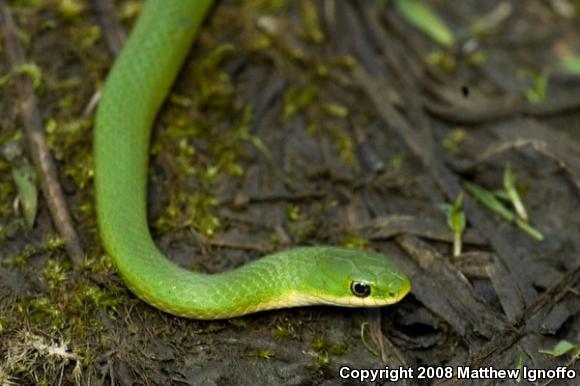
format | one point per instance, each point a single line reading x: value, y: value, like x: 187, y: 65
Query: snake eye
x: 359, y: 289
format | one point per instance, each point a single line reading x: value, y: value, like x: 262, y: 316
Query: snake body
x: 134, y: 91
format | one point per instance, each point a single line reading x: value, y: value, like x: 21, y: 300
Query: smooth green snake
x: 134, y: 91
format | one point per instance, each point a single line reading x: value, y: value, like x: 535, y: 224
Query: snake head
x: 355, y: 278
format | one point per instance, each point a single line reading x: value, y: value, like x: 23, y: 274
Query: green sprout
x: 455, y: 221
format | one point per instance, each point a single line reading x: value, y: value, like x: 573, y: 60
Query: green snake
x: 133, y: 93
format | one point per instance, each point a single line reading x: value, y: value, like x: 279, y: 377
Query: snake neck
x: 260, y: 285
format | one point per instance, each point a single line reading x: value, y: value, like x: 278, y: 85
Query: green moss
x: 297, y: 99
x: 354, y: 241
x: 442, y: 60
x: 86, y: 354
x: 86, y: 36
x: 347, y: 62
x: 70, y: 9
x: 321, y: 361
x: 312, y: 31
x: 264, y: 6
x: 89, y: 298
x: 239, y: 324
x: 258, y: 43
x: 200, y: 149
x: 70, y: 303
x: 55, y: 273
x: 130, y: 9
x: 395, y: 162
x: 28, y: 4
x: 324, y: 351
x: 452, y: 143
x: 10, y: 226
x: 477, y: 58
x: 337, y: 349
x: 99, y: 265
x: 293, y: 212
x: 260, y: 354
x: 282, y: 332
x: 335, y: 109
x: 29, y: 69
x: 198, y: 213
x: 42, y: 311
x: 7, y: 193
x: 213, y: 85
x: 20, y: 260
x: 346, y: 146
x: 318, y: 343
x: 68, y: 141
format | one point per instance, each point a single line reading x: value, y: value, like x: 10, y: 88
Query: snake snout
x: 395, y: 285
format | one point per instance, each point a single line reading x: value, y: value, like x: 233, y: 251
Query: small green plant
x: 455, y: 221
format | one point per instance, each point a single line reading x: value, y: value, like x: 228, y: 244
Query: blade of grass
x: 489, y: 200
x: 424, y: 18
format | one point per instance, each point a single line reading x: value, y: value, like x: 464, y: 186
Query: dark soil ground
x: 300, y: 123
